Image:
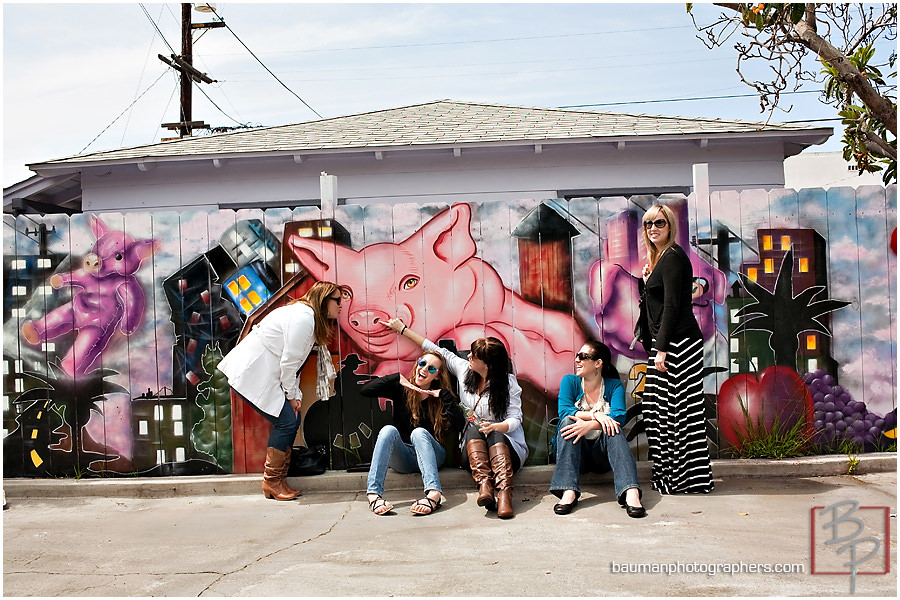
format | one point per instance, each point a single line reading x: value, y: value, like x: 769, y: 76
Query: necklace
x: 599, y: 389
x: 591, y: 402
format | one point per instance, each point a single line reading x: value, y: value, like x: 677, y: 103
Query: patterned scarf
x: 325, y: 374
x: 601, y: 406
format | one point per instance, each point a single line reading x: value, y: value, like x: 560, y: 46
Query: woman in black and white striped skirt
x: 673, y: 410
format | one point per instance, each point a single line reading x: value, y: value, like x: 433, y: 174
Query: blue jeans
x: 599, y: 456
x: 424, y: 455
x: 284, y: 427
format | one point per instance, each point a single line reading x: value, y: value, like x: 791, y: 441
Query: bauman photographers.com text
x: 711, y: 569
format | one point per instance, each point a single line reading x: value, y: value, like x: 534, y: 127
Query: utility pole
x: 184, y: 64
x: 187, y: 54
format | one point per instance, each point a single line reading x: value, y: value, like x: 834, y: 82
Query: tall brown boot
x: 477, y: 451
x: 273, y: 481
x: 284, y: 472
x: 501, y: 463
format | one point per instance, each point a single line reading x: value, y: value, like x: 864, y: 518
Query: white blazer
x: 263, y: 366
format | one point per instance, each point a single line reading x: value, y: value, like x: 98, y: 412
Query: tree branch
x: 881, y: 108
x: 878, y: 145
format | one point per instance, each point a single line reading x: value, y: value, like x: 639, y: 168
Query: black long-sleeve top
x: 669, y: 308
x: 389, y: 387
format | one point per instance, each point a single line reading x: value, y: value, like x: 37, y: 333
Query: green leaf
x: 689, y: 6
x: 797, y: 12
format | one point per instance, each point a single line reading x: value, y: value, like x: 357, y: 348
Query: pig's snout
x: 370, y: 321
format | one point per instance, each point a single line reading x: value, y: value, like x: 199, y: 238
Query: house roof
x: 434, y: 125
x: 441, y: 124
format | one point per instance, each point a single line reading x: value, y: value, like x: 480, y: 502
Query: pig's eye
x: 409, y: 283
x: 346, y: 294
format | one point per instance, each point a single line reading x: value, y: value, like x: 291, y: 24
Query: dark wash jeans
x: 284, y: 426
x: 598, y: 456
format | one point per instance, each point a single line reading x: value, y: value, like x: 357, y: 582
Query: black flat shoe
x: 635, y: 512
x: 564, y: 509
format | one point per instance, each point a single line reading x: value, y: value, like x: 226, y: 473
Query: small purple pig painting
x: 105, y: 295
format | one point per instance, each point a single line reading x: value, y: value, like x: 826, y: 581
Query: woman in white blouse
x: 493, y: 440
x: 262, y: 369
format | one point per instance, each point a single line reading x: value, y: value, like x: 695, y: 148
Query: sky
x: 81, y: 78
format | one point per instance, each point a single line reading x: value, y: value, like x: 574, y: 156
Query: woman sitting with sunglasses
x: 493, y: 439
x: 425, y: 411
x: 590, y: 437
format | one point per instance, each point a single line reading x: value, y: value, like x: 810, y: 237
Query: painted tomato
x: 778, y: 394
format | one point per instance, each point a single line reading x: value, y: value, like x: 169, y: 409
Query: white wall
x: 824, y: 170
x: 479, y: 174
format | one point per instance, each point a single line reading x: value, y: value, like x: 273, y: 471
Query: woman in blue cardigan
x: 590, y: 436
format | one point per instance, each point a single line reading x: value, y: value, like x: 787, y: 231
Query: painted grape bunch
x: 837, y: 416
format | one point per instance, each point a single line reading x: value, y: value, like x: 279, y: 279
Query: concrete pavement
x: 219, y: 537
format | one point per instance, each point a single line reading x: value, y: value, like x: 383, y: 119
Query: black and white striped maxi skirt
x: 675, y: 421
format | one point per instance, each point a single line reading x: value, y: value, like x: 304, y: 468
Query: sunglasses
x: 660, y: 223
x: 336, y: 299
x: 431, y: 368
x: 585, y: 356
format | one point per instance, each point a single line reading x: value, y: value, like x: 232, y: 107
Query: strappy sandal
x: 426, y: 502
x: 380, y: 507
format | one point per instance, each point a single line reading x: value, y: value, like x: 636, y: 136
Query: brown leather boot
x: 477, y: 451
x: 284, y: 472
x: 273, y: 481
x: 501, y: 463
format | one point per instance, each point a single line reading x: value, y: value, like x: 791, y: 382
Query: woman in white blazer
x: 263, y: 370
x: 493, y: 440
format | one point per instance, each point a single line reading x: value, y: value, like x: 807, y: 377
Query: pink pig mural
x: 466, y: 299
x: 109, y: 297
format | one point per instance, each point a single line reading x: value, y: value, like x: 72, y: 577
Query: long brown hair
x: 653, y: 213
x: 434, y: 406
x: 317, y: 298
x: 493, y: 353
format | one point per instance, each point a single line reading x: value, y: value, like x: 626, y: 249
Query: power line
x: 683, y: 99
x: 487, y: 41
x: 124, y: 111
x: 156, y: 27
x: 202, y: 91
x: 265, y: 67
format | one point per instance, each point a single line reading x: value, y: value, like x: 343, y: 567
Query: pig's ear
x: 98, y: 227
x: 449, y: 234
x: 314, y: 256
x: 145, y: 248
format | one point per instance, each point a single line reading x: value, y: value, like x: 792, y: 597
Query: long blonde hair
x: 435, y: 407
x: 317, y: 298
x: 653, y: 213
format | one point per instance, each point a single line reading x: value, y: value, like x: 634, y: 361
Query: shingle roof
x: 440, y: 123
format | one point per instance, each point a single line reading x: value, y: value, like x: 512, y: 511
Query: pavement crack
x: 280, y: 550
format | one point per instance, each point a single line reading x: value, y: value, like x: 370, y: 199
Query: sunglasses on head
x: 585, y: 356
x: 430, y: 368
x: 660, y: 223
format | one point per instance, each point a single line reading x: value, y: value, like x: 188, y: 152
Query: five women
x: 262, y: 369
x: 672, y: 404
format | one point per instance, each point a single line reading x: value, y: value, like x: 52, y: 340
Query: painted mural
x: 114, y: 323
